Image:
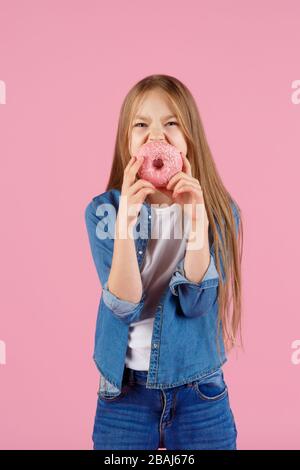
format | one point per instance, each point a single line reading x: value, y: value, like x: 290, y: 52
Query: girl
x: 164, y: 326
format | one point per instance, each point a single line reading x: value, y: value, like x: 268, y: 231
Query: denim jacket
x: 183, y: 346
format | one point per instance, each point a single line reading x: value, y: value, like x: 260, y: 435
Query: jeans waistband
x: 140, y: 376
x: 136, y: 376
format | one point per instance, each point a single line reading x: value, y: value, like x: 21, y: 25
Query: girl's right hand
x: 135, y: 191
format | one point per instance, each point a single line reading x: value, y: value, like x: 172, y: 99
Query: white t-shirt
x: 165, y: 249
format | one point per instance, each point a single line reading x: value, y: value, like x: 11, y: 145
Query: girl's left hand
x: 187, y: 190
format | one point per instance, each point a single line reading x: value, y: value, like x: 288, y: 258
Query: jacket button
x: 140, y: 252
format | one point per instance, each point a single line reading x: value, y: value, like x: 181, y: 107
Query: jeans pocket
x: 107, y: 397
x: 212, y: 387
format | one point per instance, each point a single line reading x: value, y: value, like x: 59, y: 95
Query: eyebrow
x: 147, y: 117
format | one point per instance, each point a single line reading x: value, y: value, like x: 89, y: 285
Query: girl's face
x: 155, y: 120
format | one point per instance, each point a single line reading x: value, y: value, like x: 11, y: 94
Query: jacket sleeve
x: 102, y: 252
x: 197, y: 298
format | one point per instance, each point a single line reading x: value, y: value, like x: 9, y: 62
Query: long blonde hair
x: 218, y: 202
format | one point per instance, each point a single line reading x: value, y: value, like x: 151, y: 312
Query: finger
x: 130, y: 163
x: 128, y: 180
x: 137, y: 164
x: 165, y: 191
x: 140, y: 184
x: 175, y: 178
x: 134, y: 168
x: 141, y: 195
x: 182, y: 182
x: 186, y: 165
x: 189, y: 189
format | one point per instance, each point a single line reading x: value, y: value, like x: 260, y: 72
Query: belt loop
x: 128, y: 375
x: 132, y: 376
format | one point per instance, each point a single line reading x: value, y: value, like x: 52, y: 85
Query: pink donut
x: 161, y: 162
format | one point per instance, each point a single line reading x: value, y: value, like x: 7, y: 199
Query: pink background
x: 67, y: 66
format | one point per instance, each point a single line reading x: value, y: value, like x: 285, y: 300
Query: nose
x: 156, y: 137
x: 162, y: 139
x: 156, y: 134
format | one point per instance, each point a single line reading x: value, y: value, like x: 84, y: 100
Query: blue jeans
x: 194, y: 416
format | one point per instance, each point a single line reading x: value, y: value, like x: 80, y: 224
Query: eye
x: 136, y: 125
x: 143, y: 124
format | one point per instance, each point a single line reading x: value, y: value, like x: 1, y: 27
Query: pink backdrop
x: 65, y: 68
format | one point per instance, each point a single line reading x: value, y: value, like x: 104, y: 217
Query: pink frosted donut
x: 161, y: 162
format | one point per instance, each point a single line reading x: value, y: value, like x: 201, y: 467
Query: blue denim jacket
x: 183, y: 346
